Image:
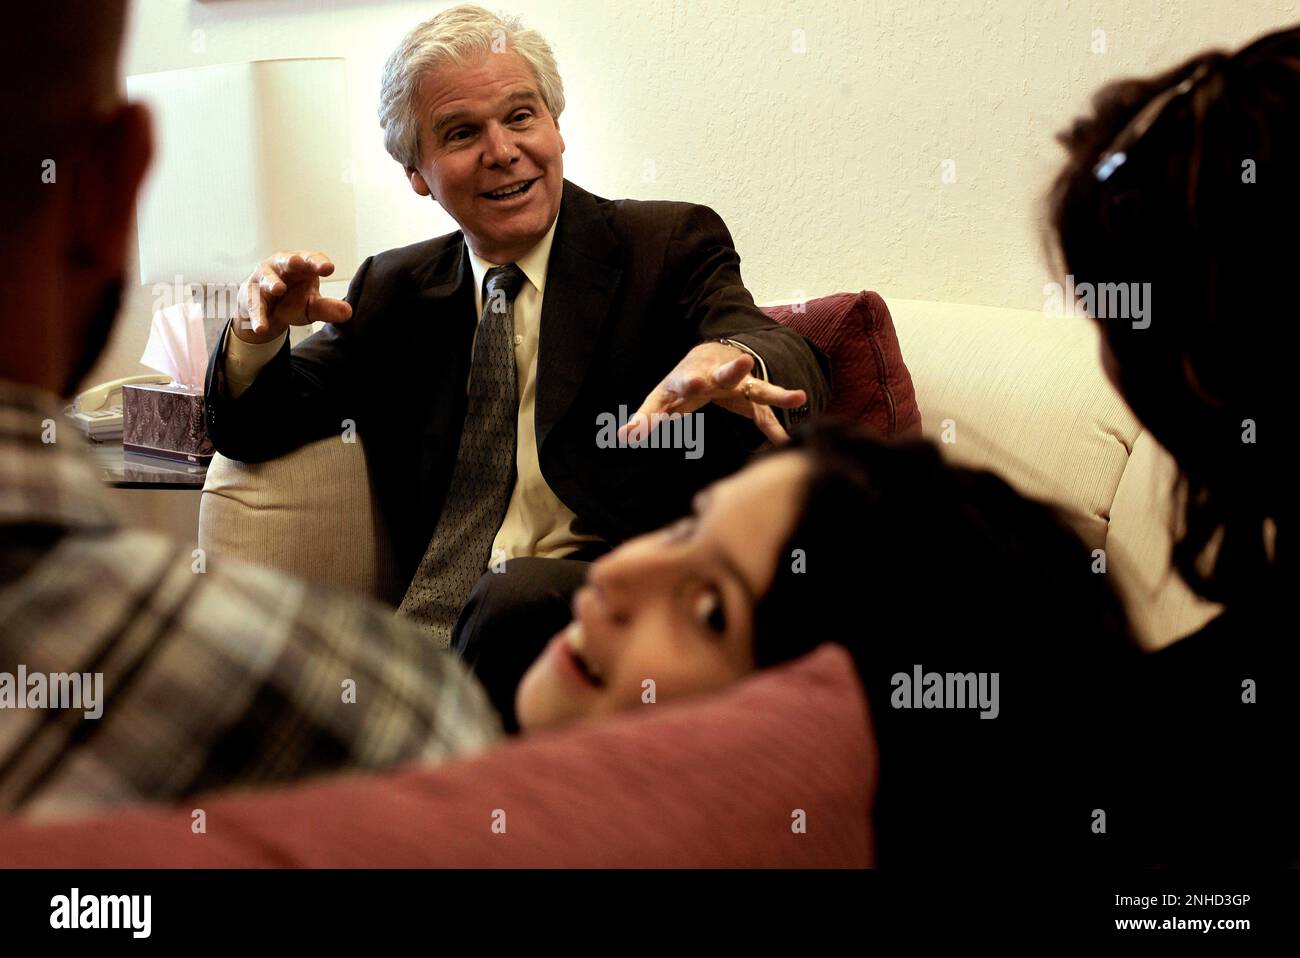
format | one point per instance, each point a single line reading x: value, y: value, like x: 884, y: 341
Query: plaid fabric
x: 214, y: 674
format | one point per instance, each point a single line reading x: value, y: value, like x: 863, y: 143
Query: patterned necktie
x: 484, y: 475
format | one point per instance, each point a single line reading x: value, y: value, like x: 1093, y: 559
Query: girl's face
x: 670, y: 613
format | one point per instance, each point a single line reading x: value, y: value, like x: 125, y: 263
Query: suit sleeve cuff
x: 789, y: 417
x: 760, y: 367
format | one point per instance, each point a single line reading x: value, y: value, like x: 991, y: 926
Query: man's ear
x: 417, y: 182
x: 107, y: 177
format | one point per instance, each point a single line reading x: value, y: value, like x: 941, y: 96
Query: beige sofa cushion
x: 1026, y: 398
x: 1023, y: 395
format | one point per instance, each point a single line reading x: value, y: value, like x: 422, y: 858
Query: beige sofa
x: 1009, y: 390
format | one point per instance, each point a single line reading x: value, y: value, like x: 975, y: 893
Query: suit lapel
x: 580, y: 284
x: 439, y: 279
x: 437, y: 344
x: 443, y: 321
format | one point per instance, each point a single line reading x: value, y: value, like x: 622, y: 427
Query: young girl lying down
x: 984, y: 640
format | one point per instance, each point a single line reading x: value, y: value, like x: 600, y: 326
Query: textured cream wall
x: 827, y: 164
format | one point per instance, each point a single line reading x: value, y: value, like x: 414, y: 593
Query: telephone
x: 98, y: 411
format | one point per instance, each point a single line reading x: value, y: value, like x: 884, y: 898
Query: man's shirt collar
x: 533, y: 263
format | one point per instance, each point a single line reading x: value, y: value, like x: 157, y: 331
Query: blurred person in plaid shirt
x: 230, y: 676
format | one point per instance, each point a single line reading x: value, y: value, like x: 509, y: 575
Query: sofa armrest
x: 1139, y: 543
x: 309, y: 514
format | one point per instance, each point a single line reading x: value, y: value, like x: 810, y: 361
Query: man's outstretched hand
x: 282, y: 291
x: 715, y: 372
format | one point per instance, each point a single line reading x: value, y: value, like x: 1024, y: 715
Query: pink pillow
x: 722, y: 781
x: 870, y: 383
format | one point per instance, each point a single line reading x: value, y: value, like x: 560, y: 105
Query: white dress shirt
x: 537, y: 523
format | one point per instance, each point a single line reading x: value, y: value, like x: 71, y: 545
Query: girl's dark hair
x: 909, y: 562
x: 1204, y: 206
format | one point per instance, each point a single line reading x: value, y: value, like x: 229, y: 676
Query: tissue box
x: 166, y: 421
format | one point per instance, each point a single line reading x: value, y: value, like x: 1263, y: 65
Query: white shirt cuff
x: 245, y: 360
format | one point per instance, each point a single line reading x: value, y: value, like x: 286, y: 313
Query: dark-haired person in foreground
x: 1190, y: 181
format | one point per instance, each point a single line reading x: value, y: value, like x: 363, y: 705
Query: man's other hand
x: 715, y: 372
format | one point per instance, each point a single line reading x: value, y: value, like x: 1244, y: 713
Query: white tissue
x: 177, y: 345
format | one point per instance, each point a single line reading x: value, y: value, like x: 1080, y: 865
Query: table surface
x: 131, y: 470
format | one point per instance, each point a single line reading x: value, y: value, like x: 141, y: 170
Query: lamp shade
x: 249, y: 158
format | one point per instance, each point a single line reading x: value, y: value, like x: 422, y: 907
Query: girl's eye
x: 709, y: 611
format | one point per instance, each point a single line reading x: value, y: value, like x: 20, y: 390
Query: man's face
x: 484, y: 127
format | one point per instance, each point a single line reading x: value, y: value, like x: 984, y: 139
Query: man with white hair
x: 477, y: 366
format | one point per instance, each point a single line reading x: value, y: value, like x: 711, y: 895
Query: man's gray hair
x: 455, y: 36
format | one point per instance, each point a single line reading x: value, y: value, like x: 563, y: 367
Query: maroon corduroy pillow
x: 870, y: 383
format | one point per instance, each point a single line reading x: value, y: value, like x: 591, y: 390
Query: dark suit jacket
x: 631, y: 286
